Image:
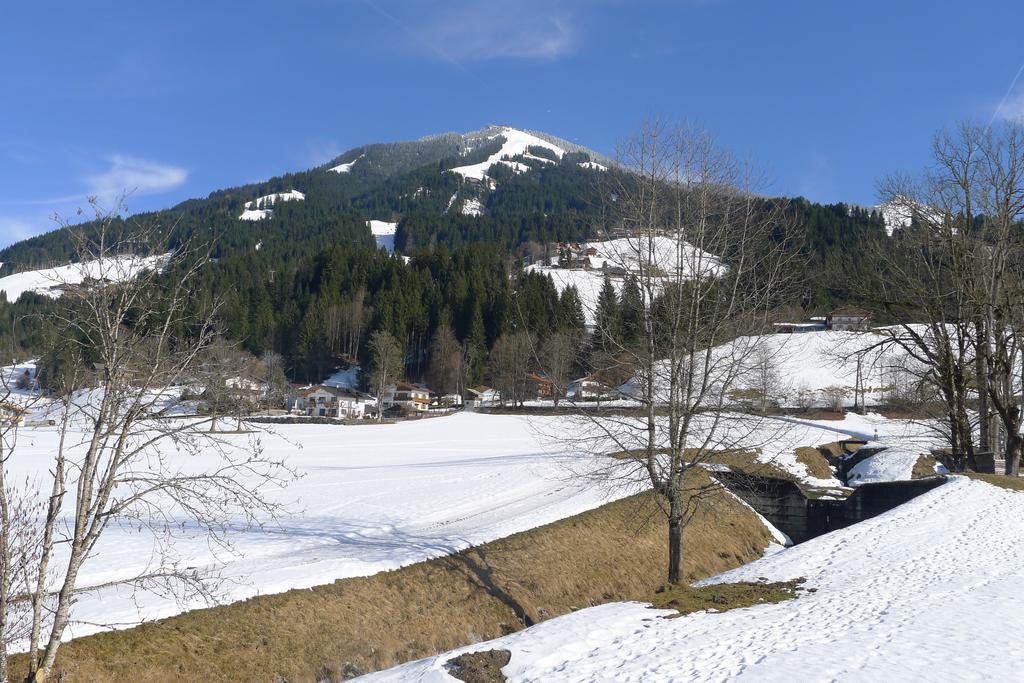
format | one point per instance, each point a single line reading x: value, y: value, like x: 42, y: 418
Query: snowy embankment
x: 894, y: 599
x: 51, y: 281
x: 384, y: 233
x: 371, y: 498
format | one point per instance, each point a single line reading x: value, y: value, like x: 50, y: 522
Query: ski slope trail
x: 928, y: 591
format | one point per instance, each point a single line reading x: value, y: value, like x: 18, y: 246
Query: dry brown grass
x: 1000, y: 480
x: 924, y: 467
x: 616, y: 552
x: 815, y: 462
x: 721, y: 597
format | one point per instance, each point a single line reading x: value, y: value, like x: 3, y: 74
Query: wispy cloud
x: 124, y: 174
x: 473, y: 31
x: 135, y: 176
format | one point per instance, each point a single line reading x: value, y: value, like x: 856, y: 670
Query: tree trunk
x: 675, y: 541
x: 1012, y: 454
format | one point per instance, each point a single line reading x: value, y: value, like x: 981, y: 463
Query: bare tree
x: 388, y: 364
x: 135, y: 328
x: 559, y: 355
x: 445, y: 371
x: 711, y: 260
x: 952, y: 278
x: 509, y: 362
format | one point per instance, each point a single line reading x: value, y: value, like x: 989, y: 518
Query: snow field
x: 371, y: 498
x: 894, y: 599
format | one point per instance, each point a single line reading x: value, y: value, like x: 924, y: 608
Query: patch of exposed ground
x: 721, y: 597
x: 479, y: 667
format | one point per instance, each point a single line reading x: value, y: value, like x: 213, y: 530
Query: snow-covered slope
x: 664, y: 253
x: 894, y: 598
x: 346, y: 168
x: 515, y: 143
x: 259, y: 208
x: 384, y: 233
x: 50, y: 281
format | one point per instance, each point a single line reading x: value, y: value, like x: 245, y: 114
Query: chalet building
x: 848, y: 319
x: 326, y: 401
x: 539, y: 386
x: 412, y: 398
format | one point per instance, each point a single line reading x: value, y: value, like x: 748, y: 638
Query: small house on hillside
x: 412, y: 398
x: 848, y: 319
x: 325, y: 401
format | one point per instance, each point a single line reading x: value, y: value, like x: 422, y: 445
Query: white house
x: 324, y: 401
x: 407, y: 396
x: 589, y: 388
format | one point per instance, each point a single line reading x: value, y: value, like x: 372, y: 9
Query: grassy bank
x: 617, y: 552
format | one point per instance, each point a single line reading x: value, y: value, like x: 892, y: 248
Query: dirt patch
x: 815, y: 462
x: 722, y: 597
x: 924, y: 467
x: 613, y: 553
x: 479, y: 667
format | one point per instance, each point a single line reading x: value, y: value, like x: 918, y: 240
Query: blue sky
x: 175, y: 100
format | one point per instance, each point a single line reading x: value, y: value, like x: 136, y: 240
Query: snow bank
x: 516, y: 143
x: 49, y: 281
x: 894, y: 596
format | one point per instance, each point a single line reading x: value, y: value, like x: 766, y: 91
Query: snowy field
x: 376, y: 497
x: 371, y: 498
x: 928, y: 591
x: 47, y: 281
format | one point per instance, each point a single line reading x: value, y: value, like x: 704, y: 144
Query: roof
x: 851, y: 311
x: 334, y: 391
x: 409, y: 386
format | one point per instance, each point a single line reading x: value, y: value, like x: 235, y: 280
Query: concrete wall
x: 785, y: 504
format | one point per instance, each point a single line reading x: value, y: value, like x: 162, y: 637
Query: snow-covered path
x: 929, y: 591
